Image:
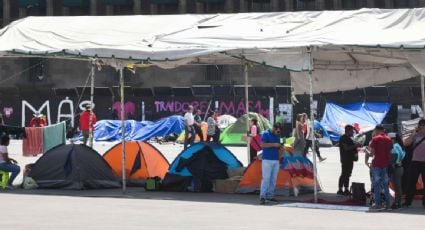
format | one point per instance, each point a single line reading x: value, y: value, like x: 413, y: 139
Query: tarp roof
x: 382, y: 44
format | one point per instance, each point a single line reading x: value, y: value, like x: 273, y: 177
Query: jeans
x: 396, y: 177
x: 270, y: 169
x: 186, y: 135
x: 344, y: 179
x: 12, y: 168
x: 380, y: 180
x: 415, y: 169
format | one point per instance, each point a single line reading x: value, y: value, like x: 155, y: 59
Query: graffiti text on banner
x: 225, y: 107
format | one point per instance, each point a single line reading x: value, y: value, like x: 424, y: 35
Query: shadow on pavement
x: 244, y: 199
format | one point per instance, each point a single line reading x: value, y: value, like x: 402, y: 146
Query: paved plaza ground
x: 137, y: 209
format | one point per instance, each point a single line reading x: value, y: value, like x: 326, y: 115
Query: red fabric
x: 33, y: 143
x: 41, y: 123
x: 256, y: 142
x: 382, y: 145
x: 85, y: 120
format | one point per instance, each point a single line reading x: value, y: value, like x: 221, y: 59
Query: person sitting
x: 6, y: 163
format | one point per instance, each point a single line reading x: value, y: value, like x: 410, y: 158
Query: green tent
x: 232, y: 135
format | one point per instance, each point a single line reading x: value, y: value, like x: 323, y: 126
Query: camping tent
x: 295, y: 176
x: 196, y: 167
x: 110, y: 130
x: 233, y: 134
x: 226, y: 120
x: 73, y: 167
x: 364, y: 116
x: 204, y: 128
x: 143, y: 161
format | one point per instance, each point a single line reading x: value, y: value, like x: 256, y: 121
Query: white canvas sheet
x: 341, y: 40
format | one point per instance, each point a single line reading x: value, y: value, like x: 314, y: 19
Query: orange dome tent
x: 288, y: 181
x: 143, y: 160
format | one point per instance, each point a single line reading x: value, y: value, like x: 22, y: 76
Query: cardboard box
x: 226, y: 186
x: 236, y: 172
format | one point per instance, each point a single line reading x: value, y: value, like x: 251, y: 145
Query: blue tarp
x: 364, y: 115
x: 110, y: 130
x: 319, y: 127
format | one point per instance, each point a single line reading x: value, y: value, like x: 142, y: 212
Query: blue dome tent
x: 196, y: 167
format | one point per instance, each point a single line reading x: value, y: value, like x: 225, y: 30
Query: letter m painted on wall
x: 26, y: 104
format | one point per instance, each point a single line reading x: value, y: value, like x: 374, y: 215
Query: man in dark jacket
x: 348, y: 153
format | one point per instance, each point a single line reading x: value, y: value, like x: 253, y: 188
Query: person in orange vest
x: 85, y: 123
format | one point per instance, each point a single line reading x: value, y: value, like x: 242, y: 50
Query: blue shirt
x: 270, y: 153
x: 398, y: 150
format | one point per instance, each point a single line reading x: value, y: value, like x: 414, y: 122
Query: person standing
x: 189, y: 120
x: 298, y: 134
x: 255, y: 143
x: 212, y: 125
x: 198, y: 125
x: 6, y: 163
x: 270, y: 142
x: 347, y: 153
x: 309, y: 139
x: 396, y: 167
x: 417, y: 166
x: 85, y: 123
x: 37, y: 120
x: 380, y: 149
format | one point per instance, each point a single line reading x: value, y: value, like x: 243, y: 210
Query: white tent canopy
x: 379, y: 44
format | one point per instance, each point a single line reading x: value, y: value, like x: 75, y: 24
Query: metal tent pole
x: 247, y: 111
x: 313, y: 144
x: 423, y: 94
x: 122, y: 129
x: 93, y: 63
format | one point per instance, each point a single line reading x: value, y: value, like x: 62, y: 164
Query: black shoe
x: 272, y: 200
x: 262, y: 201
x: 347, y: 193
x: 340, y: 192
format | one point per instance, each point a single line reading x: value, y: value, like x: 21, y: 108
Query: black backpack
x: 358, y: 192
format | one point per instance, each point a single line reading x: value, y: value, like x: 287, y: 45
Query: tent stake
x: 313, y: 144
x: 122, y: 129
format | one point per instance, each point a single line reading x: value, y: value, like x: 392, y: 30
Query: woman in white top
x: 6, y: 163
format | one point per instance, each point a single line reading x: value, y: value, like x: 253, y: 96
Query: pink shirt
x: 419, y: 152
